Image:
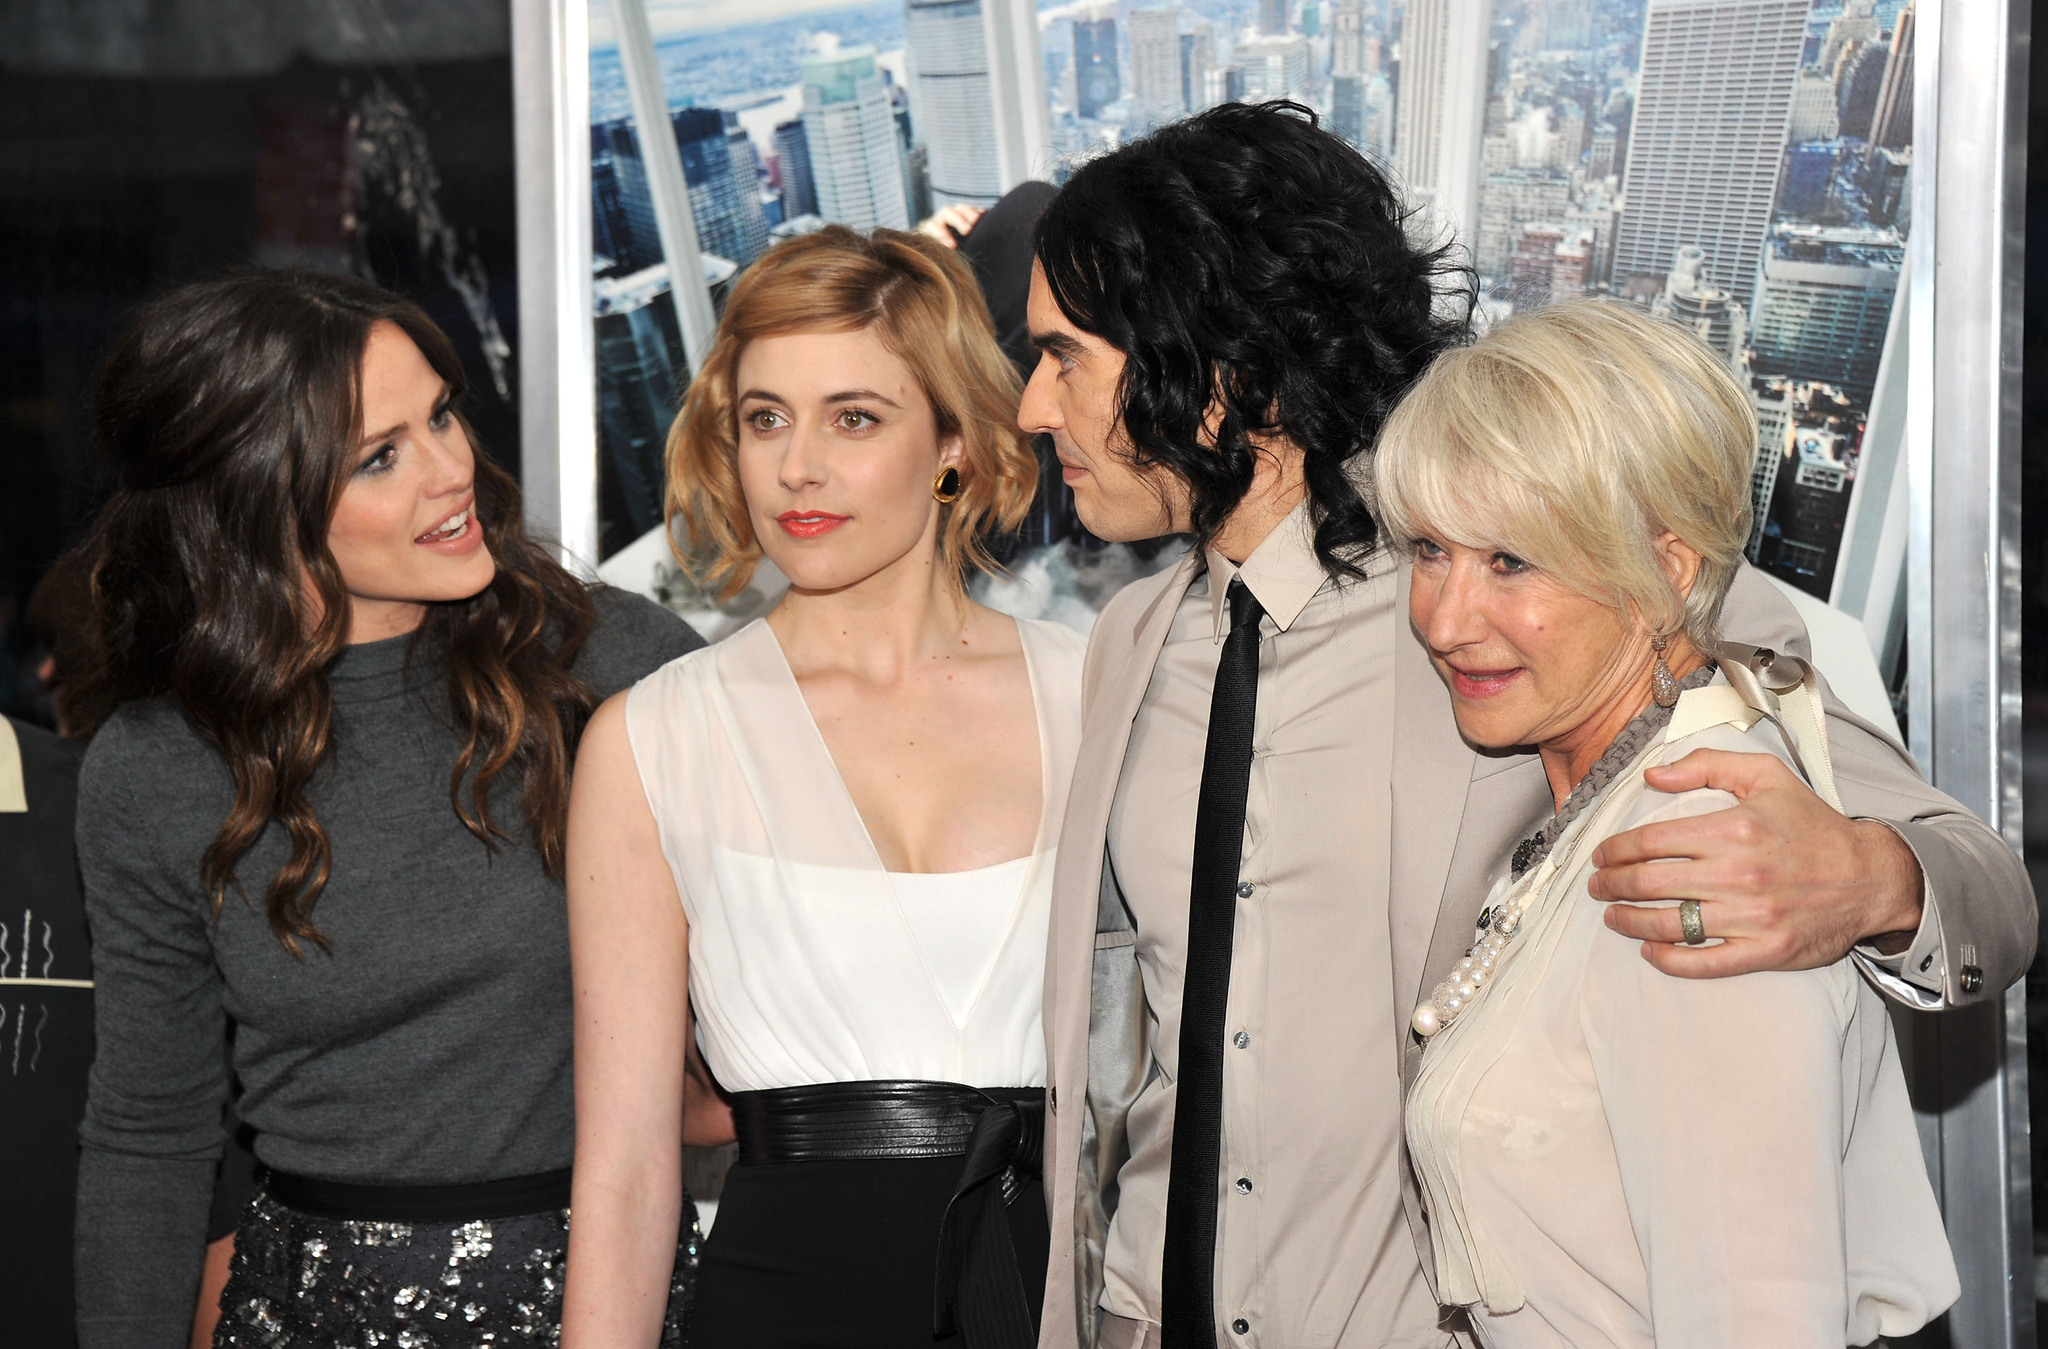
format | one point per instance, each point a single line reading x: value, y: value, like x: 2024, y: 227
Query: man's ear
x: 1212, y: 420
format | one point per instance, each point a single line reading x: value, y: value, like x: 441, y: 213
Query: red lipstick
x: 809, y: 524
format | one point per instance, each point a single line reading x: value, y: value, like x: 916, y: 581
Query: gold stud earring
x: 1663, y: 688
x: 946, y: 487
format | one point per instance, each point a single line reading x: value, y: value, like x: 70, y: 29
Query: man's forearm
x: 1898, y: 889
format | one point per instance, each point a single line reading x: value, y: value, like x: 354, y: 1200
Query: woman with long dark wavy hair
x: 337, y: 696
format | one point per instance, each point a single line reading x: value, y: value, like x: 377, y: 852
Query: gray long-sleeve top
x: 432, y: 1045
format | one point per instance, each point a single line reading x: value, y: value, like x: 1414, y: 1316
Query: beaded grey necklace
x: 1609, y: 766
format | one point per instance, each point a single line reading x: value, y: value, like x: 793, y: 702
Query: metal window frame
x: 557, y: 338
x: 1962, y: 604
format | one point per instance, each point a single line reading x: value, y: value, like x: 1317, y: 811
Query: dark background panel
x: 137, y: 154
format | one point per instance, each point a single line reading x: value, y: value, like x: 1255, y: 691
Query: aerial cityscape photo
x: 1742, y: 166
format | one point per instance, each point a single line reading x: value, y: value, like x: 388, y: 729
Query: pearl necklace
x: 1497, y: 926
x: 1476, y: 969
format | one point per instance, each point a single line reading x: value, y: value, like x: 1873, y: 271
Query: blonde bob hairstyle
x: 921, y: 300
x: 1574, y: 437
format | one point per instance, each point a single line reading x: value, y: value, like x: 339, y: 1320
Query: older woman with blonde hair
x: 1610, y: 1156
x: 833, y: 835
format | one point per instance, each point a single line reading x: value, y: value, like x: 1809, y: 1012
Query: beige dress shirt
x: 1311, y: 1246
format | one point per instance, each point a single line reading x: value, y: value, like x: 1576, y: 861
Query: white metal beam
x: 557, y: 360
x: 1963, y: 448
x: 663, y: 161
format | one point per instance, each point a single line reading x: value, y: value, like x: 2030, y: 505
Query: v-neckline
x: 824, y: 749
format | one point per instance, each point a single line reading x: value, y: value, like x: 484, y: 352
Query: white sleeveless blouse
x: 809, y: 961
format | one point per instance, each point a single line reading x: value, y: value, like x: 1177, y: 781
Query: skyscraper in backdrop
x: 1157, y: 93
x: 1714, y: 315
x: 614, y: 234
x: 1096, y: 82
x: 1859, y: 79
x: 727, y: 209
x: 1273, y: 17
x: 1348, y: 50
x: 1347, y: 71
x: 1823, y: 303
x: 793, y: 158
x: 1714, y: 99
x: 639, y: 352
x: 1440, y: 113
x: 631, y: 229
x: 977, y: 96
x: 1197, y: 62
x: 1274, y: 67
x: 850, y: 131
x: 1858, y: 22
x: 1891, y: 127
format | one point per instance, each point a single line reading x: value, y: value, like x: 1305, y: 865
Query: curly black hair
x: 1246, y: 253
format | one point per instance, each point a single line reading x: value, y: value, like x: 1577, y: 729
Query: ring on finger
x: 1689, y: 920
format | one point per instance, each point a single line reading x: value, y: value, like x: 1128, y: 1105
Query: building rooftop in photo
x: 1838, y: 245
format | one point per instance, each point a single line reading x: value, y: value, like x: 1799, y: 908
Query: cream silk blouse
x: 1614, y: 1157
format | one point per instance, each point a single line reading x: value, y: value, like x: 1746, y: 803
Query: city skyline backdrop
x: 1743, y: 166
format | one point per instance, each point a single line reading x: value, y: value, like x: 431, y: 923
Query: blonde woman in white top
x: 1611, y: 1156
x: 833, y: 835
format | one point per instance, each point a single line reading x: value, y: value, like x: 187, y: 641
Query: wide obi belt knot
x: 997, y: 1132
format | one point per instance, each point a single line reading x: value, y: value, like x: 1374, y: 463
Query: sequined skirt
x: 303, y: 1281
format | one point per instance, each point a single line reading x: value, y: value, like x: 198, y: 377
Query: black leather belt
x: 508, y: 1198
x: 998, y: 1132
x: 860, y: 1121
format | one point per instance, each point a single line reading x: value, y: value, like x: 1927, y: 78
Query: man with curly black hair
x: 1275, y: 836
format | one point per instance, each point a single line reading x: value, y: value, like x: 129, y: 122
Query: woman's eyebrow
x: 862, y: 396
x: 843, y: 396
x: 385, y: 434
x: 441, y: 400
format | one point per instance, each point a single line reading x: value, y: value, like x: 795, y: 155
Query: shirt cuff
x: 1918, y: 975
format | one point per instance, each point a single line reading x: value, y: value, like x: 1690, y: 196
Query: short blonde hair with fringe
x: 923, y: 302
x: 1574, y: 437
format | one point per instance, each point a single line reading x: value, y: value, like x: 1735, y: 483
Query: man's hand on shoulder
x: 1784, y: 880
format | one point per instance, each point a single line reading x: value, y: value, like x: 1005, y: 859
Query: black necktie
x: 1188, y: 1278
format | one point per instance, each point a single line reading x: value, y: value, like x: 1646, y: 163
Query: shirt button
x: 1241, y: 1040
x: 1244, y: 889
x: 1244, y: 1184
x: 1241, y: 1326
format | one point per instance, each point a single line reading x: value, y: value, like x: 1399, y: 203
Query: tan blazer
x: 1456, y: 813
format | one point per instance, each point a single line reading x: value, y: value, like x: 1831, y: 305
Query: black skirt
x: 302, y: 1280
x: 840, y: 1254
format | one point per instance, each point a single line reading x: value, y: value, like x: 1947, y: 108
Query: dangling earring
x: 946, y: 487
x: 1663, y: 688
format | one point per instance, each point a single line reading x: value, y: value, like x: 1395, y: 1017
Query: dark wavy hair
x: 1246, y: 257
x: 231, y: 410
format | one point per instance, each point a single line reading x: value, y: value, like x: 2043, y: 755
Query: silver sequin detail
x: 305, y: 1282
x: 472, y: 1242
